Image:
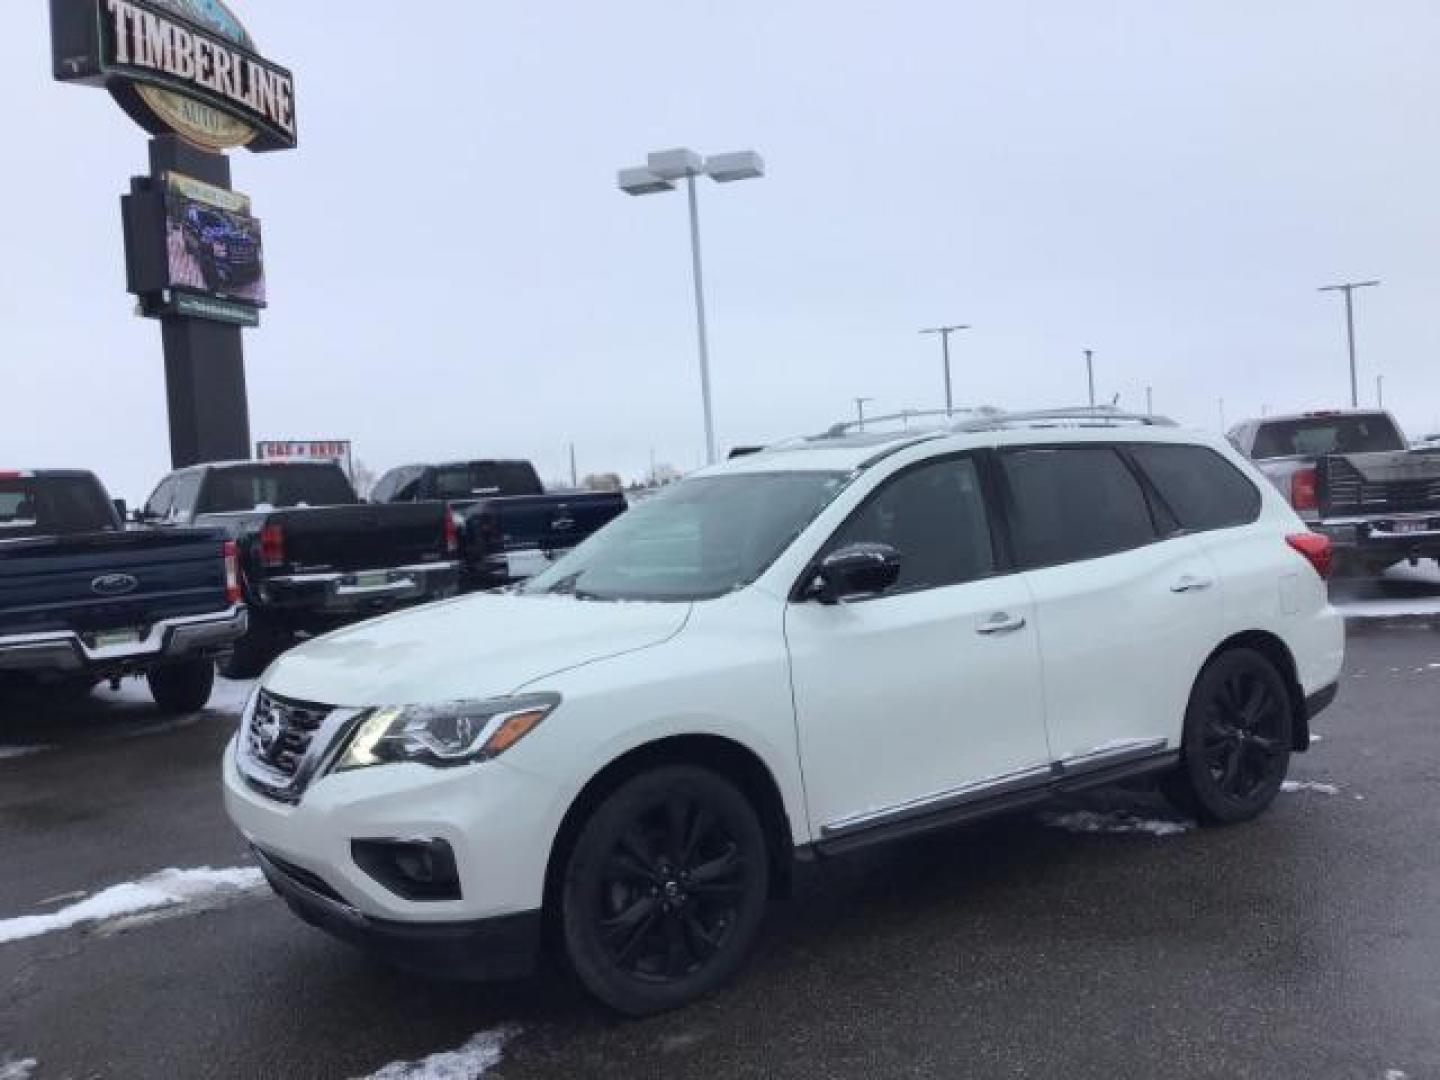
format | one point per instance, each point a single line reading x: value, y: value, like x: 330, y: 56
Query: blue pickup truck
x: 84, y: 600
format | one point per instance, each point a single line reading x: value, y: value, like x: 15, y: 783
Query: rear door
x: 1127, y: 609
x: 927, y: 696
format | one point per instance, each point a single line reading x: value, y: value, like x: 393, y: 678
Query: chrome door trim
x: 1033, y: 776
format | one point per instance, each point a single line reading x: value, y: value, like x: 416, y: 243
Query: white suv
x: 827, y: 644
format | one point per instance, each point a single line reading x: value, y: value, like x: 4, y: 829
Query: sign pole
x: 204, y: 359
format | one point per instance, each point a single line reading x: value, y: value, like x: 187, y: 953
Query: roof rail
x: 905, y: 416
x: 1074, y: 416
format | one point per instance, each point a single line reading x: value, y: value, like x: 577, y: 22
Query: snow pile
x: 1309, y: 785
x: 168, y: 888
x: 17, y: 1068
x: 1114, y: 821
x: 11, y: 753
x: 478, y: 1056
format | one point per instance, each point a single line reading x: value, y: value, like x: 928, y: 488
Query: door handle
x: 1001, y: 622
x: 1191, y: 583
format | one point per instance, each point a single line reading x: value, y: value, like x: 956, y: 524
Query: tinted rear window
x: 1074, y: 503
x: 275, y: 487
x: 1201, y: 488
x: 1315, y: 436
x: 486, y: 478
x: 52, y: 506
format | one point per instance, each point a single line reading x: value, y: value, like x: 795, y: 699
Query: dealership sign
x: 333, y: 450
x: 186, y: 66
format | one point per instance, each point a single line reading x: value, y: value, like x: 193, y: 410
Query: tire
x: 252, y: 653
x: 184, y: 687
x: 664, y: 889
x: 1237, y: 741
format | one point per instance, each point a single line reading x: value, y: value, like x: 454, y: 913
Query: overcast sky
x: 452, y: 271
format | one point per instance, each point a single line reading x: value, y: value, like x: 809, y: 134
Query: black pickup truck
x: 510, y: 529
x: 1350, y: 474
x: 83, y: 600
x: 312, y: 555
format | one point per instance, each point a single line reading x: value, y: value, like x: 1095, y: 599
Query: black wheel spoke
x: 698, y: 934
x: 718, y: 869
x: 627, y: 930
x: 676, y: 951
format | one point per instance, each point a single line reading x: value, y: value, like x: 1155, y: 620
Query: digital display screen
x: 212, y: 242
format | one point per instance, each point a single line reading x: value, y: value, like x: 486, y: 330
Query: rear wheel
x: 664, y: 889
x: 1236, y: 747
x: 184, y: 687
x: 252, y: 653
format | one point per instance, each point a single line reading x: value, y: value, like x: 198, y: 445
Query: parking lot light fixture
x: 661, y: 171
x: 945, y: 332
x: 1348, y: 288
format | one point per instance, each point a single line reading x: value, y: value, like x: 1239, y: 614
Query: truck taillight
x: 232, y: 572
x: 1317, y: 549
x: 272, y: 545
x: 1303, y: 494
x: 452, y: 533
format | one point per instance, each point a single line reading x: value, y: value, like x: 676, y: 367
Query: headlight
x: 455, y: 733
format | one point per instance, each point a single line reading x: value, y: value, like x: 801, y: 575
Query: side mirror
x: 121, y: 510
x: 864, y: 569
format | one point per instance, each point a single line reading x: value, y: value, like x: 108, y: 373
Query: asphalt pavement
x: 1305, y: 944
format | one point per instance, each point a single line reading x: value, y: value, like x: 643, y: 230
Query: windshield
x: 700, y: 538
x: 275, y: 486
x: 1321, y: 435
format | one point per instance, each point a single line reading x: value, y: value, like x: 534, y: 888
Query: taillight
x: 272, y: 545
x: 452, y: 533
x: 1317, y: 549
x: 232, y: 572
x: 1303, y: 495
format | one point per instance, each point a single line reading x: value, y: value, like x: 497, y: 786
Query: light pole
x: 1380, y: 391
x: 1348, y: 288
x: 1090, y: 374
x: 860, y: 410
x: 1149, y: 401
x: 945, y: 332
x: 658, y: 174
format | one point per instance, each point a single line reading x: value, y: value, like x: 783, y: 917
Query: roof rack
x: 905, y: 416
x: 1073, y: 416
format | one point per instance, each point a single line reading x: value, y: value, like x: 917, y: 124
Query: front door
x: 930, y: 692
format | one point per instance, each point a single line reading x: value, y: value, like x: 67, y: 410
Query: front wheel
x: 1237, y: 740
x: 664, y: 889
x: 184, y: 687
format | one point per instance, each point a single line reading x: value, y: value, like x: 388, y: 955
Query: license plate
x: 107, y: 639
x: 371, y: 581
x: 1411, y: 527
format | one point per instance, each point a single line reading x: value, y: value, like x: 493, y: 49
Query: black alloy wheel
x: 665, y: 889
x: 1238, y: 731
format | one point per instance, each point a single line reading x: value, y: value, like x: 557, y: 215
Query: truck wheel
x: 1236, y: 747
x: 252, y: 654
x: 183, y: 687
x: 664, y: 889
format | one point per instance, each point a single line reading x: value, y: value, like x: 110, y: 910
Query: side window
x: 1072, y: 503
x: 1201, y: 488
x: 158, y: 508
x: 383, y: 487
x: 187, y: 486
x: 935, y: 517
x: 408, y: 489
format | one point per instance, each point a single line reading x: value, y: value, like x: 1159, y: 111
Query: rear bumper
x: 68, y: 653
x: 1397, y: 536
x: 361, y: 591
x: 503, y: 947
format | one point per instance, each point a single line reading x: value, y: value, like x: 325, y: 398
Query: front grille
x: 1347, y: 490
x: 279, y: 732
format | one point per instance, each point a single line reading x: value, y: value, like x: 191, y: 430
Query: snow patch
x: 478, y: 1056
x: 167, y: 888
x: 1316, y: 738
x: 14, y: 753
x: 1114, y: 821
x: 1316, y: 786
x: 17, y: 1068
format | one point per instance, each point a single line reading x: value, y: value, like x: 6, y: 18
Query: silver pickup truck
x: 1351, y: 475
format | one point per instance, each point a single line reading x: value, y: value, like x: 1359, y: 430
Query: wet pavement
x: 1306, y: 944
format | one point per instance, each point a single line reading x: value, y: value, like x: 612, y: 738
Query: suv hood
x: 479, y: 646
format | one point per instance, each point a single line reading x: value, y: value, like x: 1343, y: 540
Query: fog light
x: 412, y: 869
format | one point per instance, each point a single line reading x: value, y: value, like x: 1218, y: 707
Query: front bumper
x: 69, y: 653
x: 503, y: 947
x: 361, y: 591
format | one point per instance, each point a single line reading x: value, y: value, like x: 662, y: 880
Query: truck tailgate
x: 58, y: 583
x: 1392, y: 482
x: 362, y: 537
x: 549, y: 522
